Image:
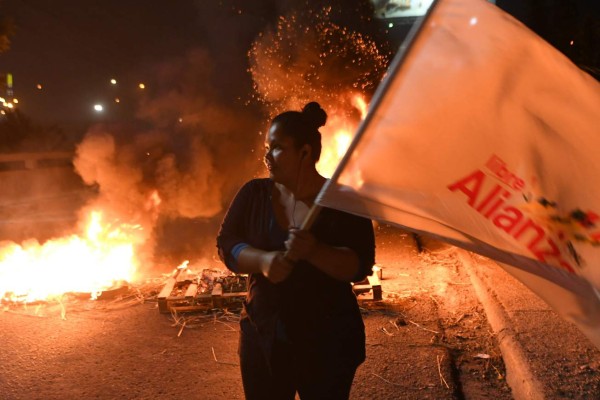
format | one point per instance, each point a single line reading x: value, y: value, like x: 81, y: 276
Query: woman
x: 301, y: 330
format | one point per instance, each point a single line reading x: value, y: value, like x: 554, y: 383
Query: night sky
x: 73, y: 48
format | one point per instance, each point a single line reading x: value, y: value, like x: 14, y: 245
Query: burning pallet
x: 222, y: 289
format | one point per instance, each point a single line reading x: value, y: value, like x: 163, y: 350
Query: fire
x: 95, y: 261
x: 361, y: 105
x: 337, y: 136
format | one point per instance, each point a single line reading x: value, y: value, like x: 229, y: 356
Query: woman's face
x: 282, y: 158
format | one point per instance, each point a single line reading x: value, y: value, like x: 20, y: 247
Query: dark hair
x: 304, y: 126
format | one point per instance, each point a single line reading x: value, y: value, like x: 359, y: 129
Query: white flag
x: 485, y: 136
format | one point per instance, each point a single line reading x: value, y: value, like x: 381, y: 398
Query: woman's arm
x: 350, y: 261
x: 272, y: 264
x: 340, y: 263
x: 234, y: 250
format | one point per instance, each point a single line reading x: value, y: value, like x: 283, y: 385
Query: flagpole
x: 395, y: 65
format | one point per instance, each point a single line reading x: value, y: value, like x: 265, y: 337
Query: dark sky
x: 73, y: 48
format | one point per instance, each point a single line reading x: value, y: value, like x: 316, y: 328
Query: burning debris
x: 181, y: 291
x: 72, y: 302
x: 88, y: 263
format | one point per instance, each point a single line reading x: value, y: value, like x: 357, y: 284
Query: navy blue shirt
x: 313, y: 308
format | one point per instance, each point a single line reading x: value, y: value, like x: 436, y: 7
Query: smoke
x: 179, y: 163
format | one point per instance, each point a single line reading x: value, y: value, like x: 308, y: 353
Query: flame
x: 95, y: 261
x: 153, y: 201
x: 337, y: 136
x: 361, y: 104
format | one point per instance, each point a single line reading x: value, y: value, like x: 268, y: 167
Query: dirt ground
x: 439, y: 345
x: 428, y: 339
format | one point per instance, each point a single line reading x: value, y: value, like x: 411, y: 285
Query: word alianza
x: 488, y: 193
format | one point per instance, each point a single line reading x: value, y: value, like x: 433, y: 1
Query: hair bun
x: 314, y: 114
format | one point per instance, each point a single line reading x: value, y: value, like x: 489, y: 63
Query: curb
x: 523, y: 383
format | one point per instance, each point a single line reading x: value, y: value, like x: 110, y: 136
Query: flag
x: 485, y: 136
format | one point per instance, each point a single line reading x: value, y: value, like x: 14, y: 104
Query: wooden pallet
x: 369, y: 289
x: 182, y: 295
